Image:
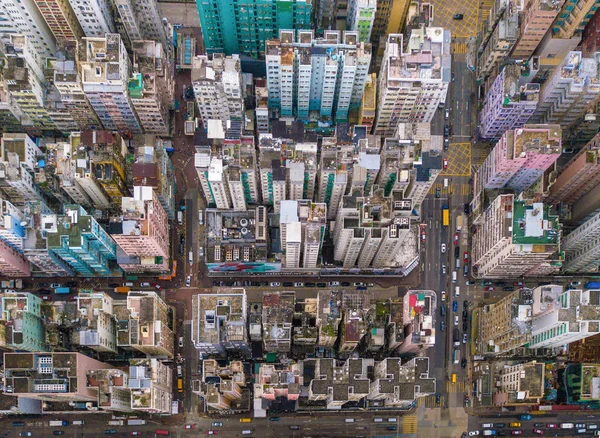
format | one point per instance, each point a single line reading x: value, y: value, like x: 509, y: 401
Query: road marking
x: 409, y: 424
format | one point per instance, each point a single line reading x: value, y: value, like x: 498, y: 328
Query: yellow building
x: 367, y: 111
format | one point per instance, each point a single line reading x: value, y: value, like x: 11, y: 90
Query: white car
x: 144, y: 284
x: 298, y: 284
x: 55, y: 285
x: 188, y: 280
x: 455, y: 319
x: 443, y: 248
x: 181, y: 341
x: 443, y: 269
x: 443, y: 295
x: 474, y: 433
x: 275, y: 284
x: 334, y: 283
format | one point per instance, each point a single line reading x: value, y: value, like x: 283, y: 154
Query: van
x: 122, y: 290
x: 349, y: 420
x: 457, y: 263
x: 201, y: 217
x: 445, y: 183
x: 453, y: 276
x: 179, y: 371
x: 377, y: 420
x: 453, y: 378
x: 466, y: 270
x: 457, y: 291
x: 78, y: 422
x: 246, y: 432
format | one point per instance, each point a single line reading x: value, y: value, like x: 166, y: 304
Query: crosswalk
x: 459, y: 386
x: 409, y: 424
x: 459, y: 48
x: 463, y: 189
x: 430, y: 401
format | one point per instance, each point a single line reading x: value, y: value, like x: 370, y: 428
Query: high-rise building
x: 151, y: 386
x: 412, y: 84
x: 220, y: 386
x: 219, y: 324
x: 151, y: 87
x: 232, y: 27
x: 22, y: 322
x: 68, y: 83
x: 582, y: 253
x: 24, y: 18
x: 361, y: 15
x: 519, y: 158
x: 61, y: 19
x: 534, y: 24
x: 141, y: 20
x: 579, y: 176
x: 96, y: 326
x: 569, y: 92
x: 419, y: 312
x: 18, y: 160
x: 105, y: 71
x: 573, y: 17
x: 94, y: 16
x: 390, y: 18
x: 515, y: 238
x: 82, y: 243
x: 142, y: 233
x: 112, y: 386
x: 12, y: 261
x: 367, y: 112
x: 277, y: 316
x: 508, y: 104
x: 323, y: 76
x: 217, y: 86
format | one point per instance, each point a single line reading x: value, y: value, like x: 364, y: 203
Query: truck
x: 62, y: 290
x: 456, y: 338
x: 136, y: 422
x: 445, y: 215
x: 122, y: 289
x: 180, y: 217
x: 174, y: 407
x: 55, y: 423
x: 593, y: 285
x: 459, y: 222
x: 456, y: 357
x: 115, y: 423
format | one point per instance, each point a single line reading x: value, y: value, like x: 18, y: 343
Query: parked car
x: 145, y: 284
x: 188, y: 280
x: 465, y: 338
x: 463, y: 362
x: 455, y: 319
x: 457, y: 16
x: 217, y: 424
x: 445, y: 163
x: 443, y: 248
x: 300, y: 284
x: 456, y: 238
x: 55, y: 285
x: 274, y: 284
x: 538, y: 431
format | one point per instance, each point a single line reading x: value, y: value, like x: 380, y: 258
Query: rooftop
x: 533, y: 224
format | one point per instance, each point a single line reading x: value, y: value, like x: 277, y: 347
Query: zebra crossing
x: 430, y: 401
x: 452, y: 189
x: 409, y: 424
x: 458, y: 386
x: 458, y: 48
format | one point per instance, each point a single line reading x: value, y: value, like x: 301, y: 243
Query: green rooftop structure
x: 533, y: 224
x: 135, y: 85
x: 243, y: 27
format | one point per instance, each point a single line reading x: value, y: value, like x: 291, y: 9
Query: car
x: 487, y: 425
x: 463, y: 362
x: 447, y: 114
x: 443, y: 269
x: 300, y: 284
x: 454, y: 306
x: 517, y: 432
x: 423, y: 236
x: 499, y: 425
x: 443, y: 248
x: 55, y: 285
x: 274, y: 284
x: 438, y: 192
x: 465, y: 314
x: 579, y: 426
x: 442, y: 326
x: 592, y: 426
x: 568, y: 151
x: 188, y: 280
x: 455, y: 319
x: 525, y: 417
x: 273, y: 418
x: 538, y: 425
x: 157, y: 286
x: 456, y: 238
x: 474, y: 433
x: 217, y: 424
x: 321, y: 284
x: 287, y: 284
x: 466, y: 257
x: 438, y: 398
x: 46, y: 298
x: 18, y: 423
x: 309, y: 284
x: 538, y: 431
x: 552, y: 426
x: 575, y: 283
x: 465, y: 304
x: 294, y: 427
x: 145, y: 284
x: 457, y: 16
x: 515, y: 424
x: 391, y: 428
x: 25, y: 434
x: 334, y: 283
x: 61, y: 432
x: 189, y: 426
x: 358, y: 283
x: 518, y: 283
x: 446, y: 130
x: 488, y: 288
x: 136, y: 433
x: 446, y: 144
x: 465, y: 338
x: 180, y: 341
x: 212, y: 432
x: 445, y: 163
x: 508, y: 288
x: 465, y: 325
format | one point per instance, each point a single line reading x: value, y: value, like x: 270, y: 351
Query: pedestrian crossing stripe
x: 409, y: 424
x: 430, y: 401
x: 459, y: 48
x: 459, y: 386
x: 464, y: 189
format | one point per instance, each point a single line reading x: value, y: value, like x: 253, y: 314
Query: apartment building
x: 520, y: 384
x: 217, y: 86
x: 18, y: 160
x: 508, y: 104
x: 515, y: 238
x: 112, y: 386
x: 573, y: 18
x: 329, y: 316
x: 12, y: 261
x: 520, y: 158
x: 569, y: 92
x: 222, y: 386
x: 419, y: 312
x: 22, y: 322
x: 229, y: 27
x: 535, y: 21
x: 361, y: 16
x: 336, y: 161
x: 390, y: 18
x: 141, y: 20
x: 277, y: 315
x: 582, y: 252
x: 311, y: 78
x: 61, y: 19
x: 151, y: 386
x: 276, y: 382
x: 150, y: 87
x: 105, y: 72
x: 94, y: 16
x: 413, y: 81
x: 142, y: 233
x: 96, y: 325
x: 219, y: 324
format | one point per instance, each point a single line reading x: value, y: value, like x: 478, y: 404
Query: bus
x: 445, y: 215
x: 459, y: 222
